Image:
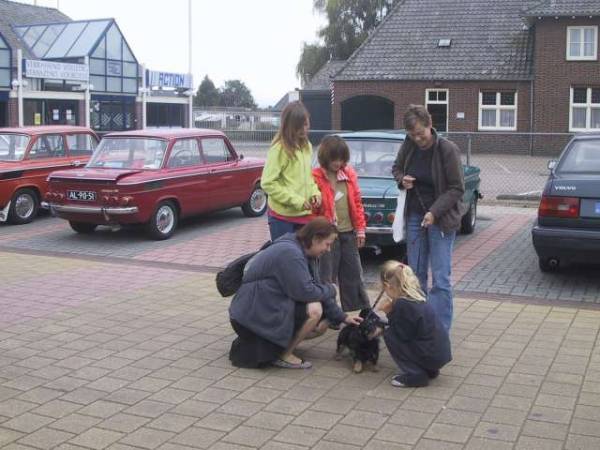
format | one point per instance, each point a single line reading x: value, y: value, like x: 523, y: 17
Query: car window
x: 48, y: 146
x: 13, y: 146
x: 582, y: 157
x: 372, y: 158
x: 215, y: 150
x: 129, y: 153
x: 81, y: 144
x: 185, y: 152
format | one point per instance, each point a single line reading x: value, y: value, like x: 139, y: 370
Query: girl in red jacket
x: 341, y: 204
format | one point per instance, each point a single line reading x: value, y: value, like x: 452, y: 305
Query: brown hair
x: 293, y: 118
x: 333, y: 148
x: 319, y: 229
x: 414, y: 114
x: 402, y: 280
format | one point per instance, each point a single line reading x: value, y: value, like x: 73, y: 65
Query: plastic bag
x: 398, y: 227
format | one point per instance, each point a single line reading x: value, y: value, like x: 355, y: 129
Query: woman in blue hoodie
x: 281, y: 301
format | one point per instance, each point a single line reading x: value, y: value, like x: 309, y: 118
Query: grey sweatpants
x: 342, y: 266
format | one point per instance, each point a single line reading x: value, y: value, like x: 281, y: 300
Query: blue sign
x: 168, y: 79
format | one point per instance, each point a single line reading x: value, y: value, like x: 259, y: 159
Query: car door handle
x: 76, y: 163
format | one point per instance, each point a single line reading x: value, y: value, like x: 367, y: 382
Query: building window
x: 5, y: 57
x: 582, y: 43
x: 585, y: 109
x: 437, y: 105
x: 497, y: 110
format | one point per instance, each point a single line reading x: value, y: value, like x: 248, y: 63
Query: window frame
x: 229, y: 157
x: 588, y: 109
x: 498, y: 107
x: 582, y: 29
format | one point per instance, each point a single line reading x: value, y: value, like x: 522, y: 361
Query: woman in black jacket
x: 415, y: 338
x: 430, y: 169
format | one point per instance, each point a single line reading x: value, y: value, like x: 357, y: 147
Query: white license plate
x: 83, y: 196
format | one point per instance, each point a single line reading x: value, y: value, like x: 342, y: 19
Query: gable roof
x: 14, y: 13
x: 321, y: 80
x: 560, y: 8
x: 62, y: 40
x: 489, y: 41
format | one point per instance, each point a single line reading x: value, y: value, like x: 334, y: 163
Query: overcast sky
x: 256, y: 41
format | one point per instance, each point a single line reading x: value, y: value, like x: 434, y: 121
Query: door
x: 3, y: 114
x: 61, y: 112
x: 80, y: 147
x: 47, y: 154
x: 188, y: 176
x: 223, y: 186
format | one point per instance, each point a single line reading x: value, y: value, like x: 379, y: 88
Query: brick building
x: 509, y: 66
x: 80, y: 73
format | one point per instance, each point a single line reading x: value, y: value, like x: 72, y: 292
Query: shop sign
x: 168, y: 79
x: 59, y: 71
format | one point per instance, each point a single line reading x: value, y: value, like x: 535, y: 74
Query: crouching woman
x: 280, y: 302
x: 416, y: 339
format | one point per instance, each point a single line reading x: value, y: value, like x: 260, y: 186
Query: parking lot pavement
x: 118, y: 355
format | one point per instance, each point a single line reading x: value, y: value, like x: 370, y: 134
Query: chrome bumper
x: 105, y: 210
x: 378, y: 230
x: 4, y: 213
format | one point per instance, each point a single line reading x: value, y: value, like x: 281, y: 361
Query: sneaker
x: 397, y: 381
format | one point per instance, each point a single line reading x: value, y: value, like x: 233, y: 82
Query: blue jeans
x: 278, y: 227
x: 431, y: 246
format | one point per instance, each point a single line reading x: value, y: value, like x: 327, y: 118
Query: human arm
x: 453, y: 170
x: 360, y: 225
x: 398, y: 166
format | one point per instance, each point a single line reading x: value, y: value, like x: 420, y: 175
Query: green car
x: 372, y: 154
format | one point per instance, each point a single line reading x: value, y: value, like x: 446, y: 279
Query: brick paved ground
x: 98, y: 355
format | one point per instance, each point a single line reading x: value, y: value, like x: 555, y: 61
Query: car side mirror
x: 241, y: 156
x: 552, y: 164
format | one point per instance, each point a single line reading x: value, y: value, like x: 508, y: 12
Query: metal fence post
x: 468, y: 149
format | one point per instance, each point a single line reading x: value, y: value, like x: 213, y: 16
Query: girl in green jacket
x: 287, y: 175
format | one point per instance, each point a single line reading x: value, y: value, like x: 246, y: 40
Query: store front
x: 167, y: 99
x: 112, y: 113
x: 51, y: 112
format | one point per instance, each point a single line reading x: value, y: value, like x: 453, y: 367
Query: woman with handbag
x: 430, y: 169
x: 287, y: 177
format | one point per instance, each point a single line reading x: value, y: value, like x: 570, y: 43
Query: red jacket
x: 355, y: 206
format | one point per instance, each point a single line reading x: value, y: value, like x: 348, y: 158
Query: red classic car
x: 28, y: 155
x: 156, y: 177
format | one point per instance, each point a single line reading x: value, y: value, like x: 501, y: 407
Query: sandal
x: 288, y: 365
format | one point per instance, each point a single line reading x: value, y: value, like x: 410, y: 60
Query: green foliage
x: 233, y: 93
x: 207, y: 94
x: 236, y: 93
x: 349, y: 22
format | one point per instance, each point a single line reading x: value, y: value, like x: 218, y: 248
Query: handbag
x: 398, y: 226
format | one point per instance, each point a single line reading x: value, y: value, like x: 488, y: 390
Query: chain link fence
x: 514, y: 166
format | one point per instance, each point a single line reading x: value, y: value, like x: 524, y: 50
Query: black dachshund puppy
x: 362, y: 340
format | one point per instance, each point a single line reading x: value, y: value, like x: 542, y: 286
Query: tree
x: 349, y: 22
x: 236, y: 93
x: 207, y: 94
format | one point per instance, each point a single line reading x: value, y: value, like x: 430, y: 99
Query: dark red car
x: 28, y: 155
x: 156, y: 177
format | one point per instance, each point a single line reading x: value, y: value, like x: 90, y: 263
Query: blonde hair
x: 293, y: 118
x: 402, y: 280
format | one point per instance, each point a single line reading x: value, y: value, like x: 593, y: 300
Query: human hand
x: 315, y: 201
x: 360, y: 241
x: 408, y: 182
x: 353, y: 320
x: 428, y: 220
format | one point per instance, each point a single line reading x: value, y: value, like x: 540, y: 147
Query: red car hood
x: 92, y: 174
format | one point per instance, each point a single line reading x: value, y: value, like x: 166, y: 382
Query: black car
x: 568, y: 224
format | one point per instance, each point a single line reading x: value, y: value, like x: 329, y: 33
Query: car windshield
x: 129, y: 153
x: 372, y: 158
x: 13, y: 146
x: 582, y: 157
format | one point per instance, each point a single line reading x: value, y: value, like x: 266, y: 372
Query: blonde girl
x: 415, y: 338
x: 287, y: 175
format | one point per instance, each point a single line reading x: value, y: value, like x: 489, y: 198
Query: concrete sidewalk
x: 105, y: 355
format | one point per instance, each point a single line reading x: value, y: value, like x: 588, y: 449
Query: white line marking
x: 503, y: 167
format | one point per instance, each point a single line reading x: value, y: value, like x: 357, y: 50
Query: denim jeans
x: 278, y: 227
x: 431, y: 247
